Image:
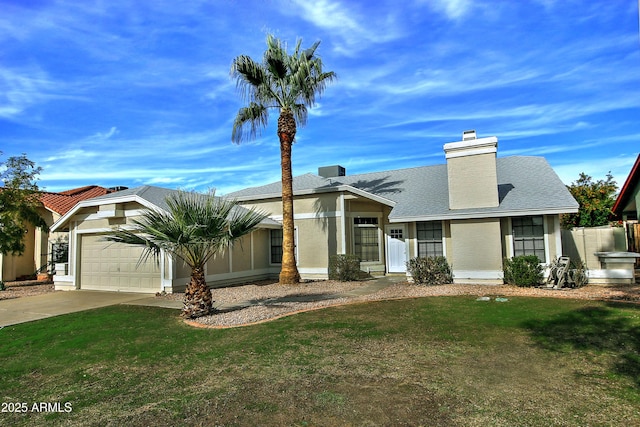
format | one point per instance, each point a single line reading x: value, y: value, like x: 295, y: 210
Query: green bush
x: 524, y: 270
x: 345, y: 268
x: 2, y: 287
x: 430, y: 270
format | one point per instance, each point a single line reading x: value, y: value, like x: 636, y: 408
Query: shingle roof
x: 154, y: 195
x: 301, y: 183
x: 525, y: 185
x: 151, y: 196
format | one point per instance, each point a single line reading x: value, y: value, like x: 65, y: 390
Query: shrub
x: 430, y: 270
x: 2, y: 287
x: 524, y: 270
x: 345, y: 268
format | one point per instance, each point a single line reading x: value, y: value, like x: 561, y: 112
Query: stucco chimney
x: 471, y: 172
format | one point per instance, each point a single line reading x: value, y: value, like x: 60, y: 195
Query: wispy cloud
x: 452, y: 9
x: 353, y: 29
x: 107, y: 135
x: 127, y: 93
x: 21, y: 89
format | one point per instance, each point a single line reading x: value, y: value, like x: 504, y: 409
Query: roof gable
x: 628, y: 189
x: 149, y: 196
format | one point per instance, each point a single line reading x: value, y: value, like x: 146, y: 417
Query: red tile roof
x: 63, y: 201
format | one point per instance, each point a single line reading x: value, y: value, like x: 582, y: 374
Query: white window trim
x: 415, y: 234
x: 545, y: 231
x: 353, y: 226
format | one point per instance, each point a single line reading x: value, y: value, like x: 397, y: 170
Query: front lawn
x: 431, y: 361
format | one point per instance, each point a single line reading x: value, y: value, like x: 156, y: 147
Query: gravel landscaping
x: 270, y: 300
x: 25, y: 289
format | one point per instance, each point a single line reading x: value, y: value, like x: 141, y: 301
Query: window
x: 366, y: 239
x: 396, y: 233
x: 276, y: 246
x: 429, y: 239
x: 528, y: 236
x: 60, y: 252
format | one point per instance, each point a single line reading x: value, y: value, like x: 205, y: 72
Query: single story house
x: 96, y: 264
x: 42, y: 248
x: 476, y: 210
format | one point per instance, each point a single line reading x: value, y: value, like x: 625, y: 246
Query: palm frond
x: 248, y: 73
x: 282, y: 80
x: 249, y: 121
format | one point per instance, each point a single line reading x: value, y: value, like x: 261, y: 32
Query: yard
x: 427, y: 361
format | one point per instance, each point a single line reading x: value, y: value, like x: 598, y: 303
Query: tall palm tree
x: 289, y: 83
x: 194, y: 229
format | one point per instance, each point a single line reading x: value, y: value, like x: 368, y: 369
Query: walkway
x: 26, y: 309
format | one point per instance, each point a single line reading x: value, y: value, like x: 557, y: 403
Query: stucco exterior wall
x: 476, y: 251
x: 15, y: 266
x: 241, y: 254
x: 472, y: 181
x: 218, y: 264
x: 261, y: 250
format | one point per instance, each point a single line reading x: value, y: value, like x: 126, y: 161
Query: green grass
x: 432, y: 361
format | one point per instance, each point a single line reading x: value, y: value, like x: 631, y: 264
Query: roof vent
x: 468, y: 135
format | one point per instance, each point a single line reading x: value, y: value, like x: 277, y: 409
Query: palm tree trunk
x: 286, y: 133
x: 197, y: 297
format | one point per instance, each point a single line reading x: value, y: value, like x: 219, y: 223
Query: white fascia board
x: 470, y: 147
x: 91, y: 203
x: 480, y: 215
x: 270, y: 226
x: 312, y: 191
x: 367, y: 195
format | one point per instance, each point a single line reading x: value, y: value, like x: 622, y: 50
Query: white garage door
x: 107, y: 266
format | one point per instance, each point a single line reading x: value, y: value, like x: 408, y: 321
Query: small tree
x: 19, y: 203
x: 596, y: 198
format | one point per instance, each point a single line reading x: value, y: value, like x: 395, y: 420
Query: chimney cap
x: 469, y: 134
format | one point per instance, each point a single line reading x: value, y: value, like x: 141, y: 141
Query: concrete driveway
x: 26, y: 309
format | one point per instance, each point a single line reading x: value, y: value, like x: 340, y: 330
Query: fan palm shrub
x: 194, y: 228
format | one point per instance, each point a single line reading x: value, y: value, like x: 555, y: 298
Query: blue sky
x: 138, y: 92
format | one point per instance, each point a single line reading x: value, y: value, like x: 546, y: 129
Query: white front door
x: 396, y: 248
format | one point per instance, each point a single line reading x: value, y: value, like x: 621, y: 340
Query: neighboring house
x: 96, y: 264
x: 476, y: 210
x: 41, y: 248
x: 627, y: 206
x: 627, y: 203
